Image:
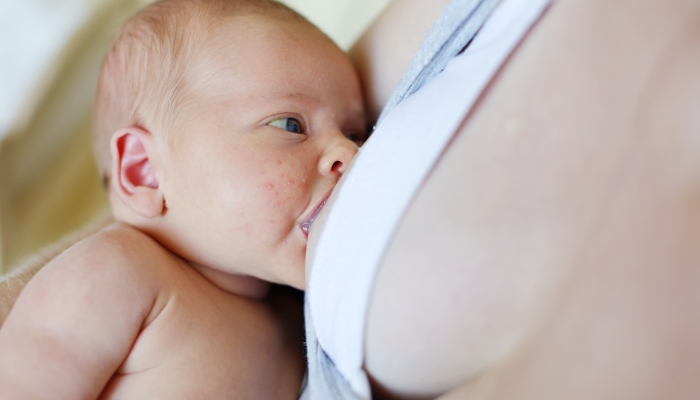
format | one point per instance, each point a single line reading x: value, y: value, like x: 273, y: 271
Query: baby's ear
x: 133, y: 177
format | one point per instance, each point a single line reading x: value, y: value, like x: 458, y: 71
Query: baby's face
x: 262, y: 148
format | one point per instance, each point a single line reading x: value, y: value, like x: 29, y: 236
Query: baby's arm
x: 76, y: 320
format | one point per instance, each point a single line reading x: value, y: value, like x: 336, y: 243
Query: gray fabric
x: 453, y: 30
x: 324, y: 379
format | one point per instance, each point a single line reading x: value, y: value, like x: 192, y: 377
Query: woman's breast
x: 565, y: 146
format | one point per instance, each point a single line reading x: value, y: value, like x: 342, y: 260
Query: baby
x: 220, y: 127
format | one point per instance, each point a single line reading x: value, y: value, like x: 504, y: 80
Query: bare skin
x: 226, y: 345
x: 13, y: 283
x: 168, y: 301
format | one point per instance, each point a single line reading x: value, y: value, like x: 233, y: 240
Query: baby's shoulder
x: 116, y: 254
x: 123, y: 242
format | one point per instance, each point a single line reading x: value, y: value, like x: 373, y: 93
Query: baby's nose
x: 339, y: 153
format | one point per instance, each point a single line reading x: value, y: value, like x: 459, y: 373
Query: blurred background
x: 50, y: 52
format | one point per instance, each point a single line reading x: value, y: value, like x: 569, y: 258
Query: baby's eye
x: 288, y: 124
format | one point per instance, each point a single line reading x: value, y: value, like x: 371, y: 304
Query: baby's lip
x: 307, y: 224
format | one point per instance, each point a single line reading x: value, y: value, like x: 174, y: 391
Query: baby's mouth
x: 307, y: 224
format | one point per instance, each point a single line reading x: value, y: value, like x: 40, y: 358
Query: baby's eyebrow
x: 298, y: 96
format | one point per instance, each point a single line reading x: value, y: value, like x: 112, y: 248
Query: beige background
x: 48, y: 183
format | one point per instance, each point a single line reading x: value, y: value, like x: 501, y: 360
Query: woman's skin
x: 386, y: 49
x: 553, y: 252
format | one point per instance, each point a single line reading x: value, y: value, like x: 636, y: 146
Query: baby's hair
x: 145, y: 77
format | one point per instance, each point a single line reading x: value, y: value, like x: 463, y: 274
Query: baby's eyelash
x: 356, y: 138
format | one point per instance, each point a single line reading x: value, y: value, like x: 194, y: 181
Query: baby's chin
x: 291, y: 273
x: 282, y: 263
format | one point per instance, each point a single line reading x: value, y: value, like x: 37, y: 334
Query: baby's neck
x: 241, y: 285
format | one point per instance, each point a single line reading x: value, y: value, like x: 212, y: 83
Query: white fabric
x: 386, y: 174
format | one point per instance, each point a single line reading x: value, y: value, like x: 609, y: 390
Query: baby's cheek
x: 293, y: 187
x: 285, y: 189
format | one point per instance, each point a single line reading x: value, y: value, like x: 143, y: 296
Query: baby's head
x: 221, y: 127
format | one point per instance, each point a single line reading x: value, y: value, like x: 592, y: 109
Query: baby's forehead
x: 245, y: 45
x: 250, y: 34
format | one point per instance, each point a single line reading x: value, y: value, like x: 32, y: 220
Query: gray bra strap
x: 454, y: 29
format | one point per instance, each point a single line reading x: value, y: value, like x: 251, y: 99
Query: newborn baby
x: 220, y: 128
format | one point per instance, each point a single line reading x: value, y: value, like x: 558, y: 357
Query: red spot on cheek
x: 279, y: 162
x: 270, y: 186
